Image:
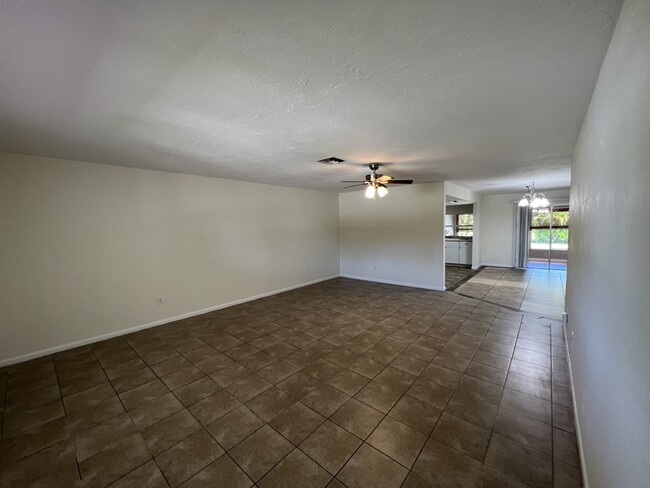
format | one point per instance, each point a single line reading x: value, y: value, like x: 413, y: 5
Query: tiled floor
x: 344, y: 383
x: 532, y: 290
x: 456, y: 274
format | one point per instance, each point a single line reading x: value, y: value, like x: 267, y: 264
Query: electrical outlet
x: 159, y: 300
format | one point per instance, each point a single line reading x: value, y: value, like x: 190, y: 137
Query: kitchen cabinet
x: 458, y: 251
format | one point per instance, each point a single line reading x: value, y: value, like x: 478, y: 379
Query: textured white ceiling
x: 488, y: 93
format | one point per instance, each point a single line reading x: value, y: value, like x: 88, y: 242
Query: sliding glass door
x: 549, y: 238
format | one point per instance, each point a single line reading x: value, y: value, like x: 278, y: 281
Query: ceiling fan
x: 377, y: 183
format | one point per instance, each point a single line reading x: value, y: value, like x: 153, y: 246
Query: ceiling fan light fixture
x: 382, y: 191
x: 371, y: 191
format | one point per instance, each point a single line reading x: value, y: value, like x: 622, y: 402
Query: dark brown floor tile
x: 214, y: 363
x: 420, y: 352
x: 234, y: 427
x: 537, y: 358
x: 204, y: 352
x: 357, y: 418
x: 495, y: 348
x: 348, y: 382
x: 32, y: 399
x: 196, y: 391
x: 532, y: 370
x: 257, y: 361
x: 397, y: 440
x: 451, y: 361
x: 299, y: 384
x: 260, y: 452
x: 430, y: 392
x: 111, y: 464
x: 169, y: 431
x: 341, y: 357
x: 269, y: 404
x: 483, y: 390
x: 54, y: 466
x: 297, y: 470
x: 444, y: 467
x: 133, y: 379
x: 228, y: 375
x: 325, y: 399
x: 221, y: 473
x: 378, y: 396
x: 276, y: 372
x: 566, y: 475
x: 188, y: 457
x: 487, y: 373
x: 366, y: 367
x: 22, y: 420
x: 182, y: 377
x: 13, y: 449
x: 248, y: 387
x: 409, y: 364
x: 369, y: 467
x: 156, y: 410
x: 214, y: 407
x: 443, y: 376
x: 472, y: 409
x: 565, y: 447
x: 463, y: 436
x: 330, y: 446
x: 525, y: 430
x: 416, y: 414
x: 143, y: 394
x: 491, y: 478
x: 146, y: 476
x: 414, y: 481
x: 563, y: 418
x: 531, y: 386
x: 395, y: 379
x: 170, y: 365
x: 91, y: 416
x: 297, y: 422
x: 102, y: 436
x: 520, y: 462
x: 529, y: 405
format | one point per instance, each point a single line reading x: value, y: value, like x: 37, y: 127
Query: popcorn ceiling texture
x: 489, y: 94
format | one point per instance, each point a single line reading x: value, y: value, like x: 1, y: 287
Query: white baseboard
x: 391, y: 282
x: 110, y: 335
x: 495, y: 265
x: 581, y: 452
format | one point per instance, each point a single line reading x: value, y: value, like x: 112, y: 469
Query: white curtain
x: 522, y: 235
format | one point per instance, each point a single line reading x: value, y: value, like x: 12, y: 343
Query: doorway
x: 549, y: 238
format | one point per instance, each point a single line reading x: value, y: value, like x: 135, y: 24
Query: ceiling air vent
x: 331, y: 160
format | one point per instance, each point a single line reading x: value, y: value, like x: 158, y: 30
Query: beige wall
x: 608, y: 282
x: 396, y: 239
x: 85, y: 249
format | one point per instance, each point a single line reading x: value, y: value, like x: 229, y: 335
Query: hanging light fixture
x: 534, y: 200
x: 376, y: 189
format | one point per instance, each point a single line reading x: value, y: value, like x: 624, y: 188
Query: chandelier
x: 534, y: 200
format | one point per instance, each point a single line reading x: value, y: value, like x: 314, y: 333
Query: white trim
x: 494, y: 265
x: 391, y: 282
x: 110, y: 335
x: 581, y: 452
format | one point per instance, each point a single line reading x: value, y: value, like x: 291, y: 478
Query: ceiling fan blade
x: 384, y: 178
x: 400, y: 182
x: 352, y: 181
x: 352, y: 186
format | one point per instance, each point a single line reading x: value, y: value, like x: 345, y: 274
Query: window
x: 459, y: 225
